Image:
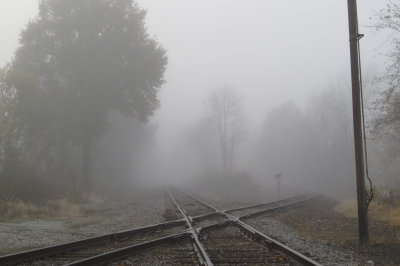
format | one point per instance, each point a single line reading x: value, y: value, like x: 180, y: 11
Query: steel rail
x: 203, y: 256
x: 295, y: 256
x: 263, y: 212
x: 202, y: 201
x: 129, y: 251
x: 251, y: 215
x: 292, y: 254
x: 210, y: 214
x: 218, y: 211
x: 204, y: 216
x: 57, y: 249
x: 259, y: 204
x: 215, y: 225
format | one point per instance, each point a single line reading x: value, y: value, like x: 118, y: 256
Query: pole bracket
x: 358, y: 36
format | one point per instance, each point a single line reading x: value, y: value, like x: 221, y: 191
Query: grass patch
x: 93, y: 198
x: 386, y: 213
x: 18, y: 209
x: 378, y: 211
x: 347, y: 207
x: 61, y: 208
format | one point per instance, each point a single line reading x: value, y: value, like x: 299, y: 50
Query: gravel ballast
x: 319, y: 251
x: 314, y: 229
x: 317, y: 230
x: 25, y: 234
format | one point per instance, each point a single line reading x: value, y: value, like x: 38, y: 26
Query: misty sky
x: 270, y: 51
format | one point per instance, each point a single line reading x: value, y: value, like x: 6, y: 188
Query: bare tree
x: 226, y: 116
x: 388, y: 105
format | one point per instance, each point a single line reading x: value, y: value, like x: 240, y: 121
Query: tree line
x: 79, y: 64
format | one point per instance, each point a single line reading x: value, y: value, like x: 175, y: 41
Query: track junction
x: 204, y: 235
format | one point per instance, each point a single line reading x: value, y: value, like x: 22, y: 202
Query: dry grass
x: 377, y: 211
x: 18, y: 209
x: 347, y: 207
x: 63, y: 209
x: 93, y: 198
x: 385, y: 213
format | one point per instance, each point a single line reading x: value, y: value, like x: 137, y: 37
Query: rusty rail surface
x: 129, y: 251
x: 203, y: 256
x: 62, y: 248
x: 295, y: 256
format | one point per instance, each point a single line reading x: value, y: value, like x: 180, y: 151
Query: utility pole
x: 357, y: 121
x: 278, y: 180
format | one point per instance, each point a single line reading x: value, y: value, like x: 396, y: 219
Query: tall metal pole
x: 357, y: 121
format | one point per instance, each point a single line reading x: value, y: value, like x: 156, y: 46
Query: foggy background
x: 281, y: 58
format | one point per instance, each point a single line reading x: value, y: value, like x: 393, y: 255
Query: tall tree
x: 9, y: 131
x: 226, y: 115
x: 77, y: 61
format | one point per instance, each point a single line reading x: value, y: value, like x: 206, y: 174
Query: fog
x: 287, y: 64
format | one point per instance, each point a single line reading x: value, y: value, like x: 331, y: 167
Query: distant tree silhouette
x: 226, y: 115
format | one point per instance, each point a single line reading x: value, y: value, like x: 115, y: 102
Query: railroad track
x: 204, y: 236
x: 252, y: 209
x: 233, y: 242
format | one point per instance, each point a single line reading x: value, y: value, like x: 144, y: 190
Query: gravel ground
x: 313, y: 229
x: 318, y: 250
x: 229, y: 246
x: 99, y: 219
x: 316, y: 229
